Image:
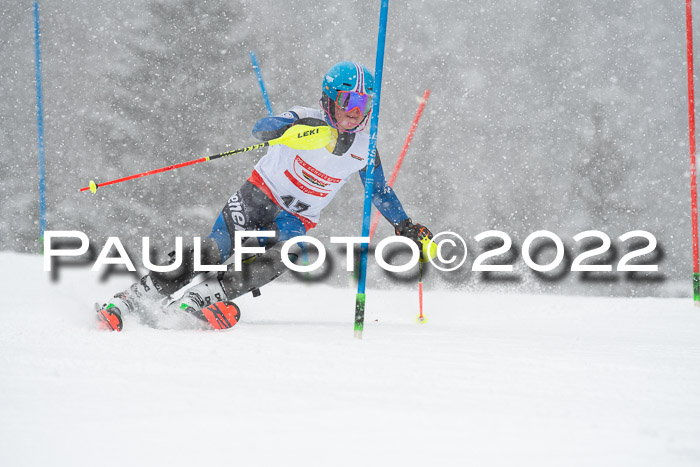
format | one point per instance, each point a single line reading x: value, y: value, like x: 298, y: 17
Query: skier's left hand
x: 416, y: 232
x: 419, y: 234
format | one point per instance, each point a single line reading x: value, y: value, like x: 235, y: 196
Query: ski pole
x: 420, y: 318
x: 296, y: 137
x: 428, y: 251
x: 399, y: 161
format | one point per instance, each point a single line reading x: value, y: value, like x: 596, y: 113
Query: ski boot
x: 135, y: 299
x: 211, y: 300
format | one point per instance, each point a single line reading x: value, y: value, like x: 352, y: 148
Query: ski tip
x: 109, y: 319
x: 222, y: 315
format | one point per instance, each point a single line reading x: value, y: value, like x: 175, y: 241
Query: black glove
x: 416, y: 232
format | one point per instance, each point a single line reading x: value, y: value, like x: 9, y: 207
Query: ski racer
x: 285, y: 194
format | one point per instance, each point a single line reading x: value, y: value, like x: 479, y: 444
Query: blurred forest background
x: 556, y: 115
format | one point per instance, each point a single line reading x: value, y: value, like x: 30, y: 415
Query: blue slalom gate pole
x: 369, y: 180
x: 254, y: 61
x: 40, y: 127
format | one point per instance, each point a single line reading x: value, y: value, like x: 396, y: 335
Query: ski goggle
x: 350, y: 100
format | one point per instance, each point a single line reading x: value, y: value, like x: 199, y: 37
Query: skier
x: 285, y: 194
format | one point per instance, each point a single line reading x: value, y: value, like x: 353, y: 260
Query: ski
x: 222, y: 315
x: 108, y: 318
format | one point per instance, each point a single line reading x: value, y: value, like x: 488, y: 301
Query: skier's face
x: 347, y: 120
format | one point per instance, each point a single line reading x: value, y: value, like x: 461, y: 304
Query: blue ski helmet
x: 348, y: 76
x: 349, y: 85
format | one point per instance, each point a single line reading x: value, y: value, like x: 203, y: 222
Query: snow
x: 489, y: 380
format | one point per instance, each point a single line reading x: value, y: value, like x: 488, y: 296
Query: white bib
x: 304, y: 182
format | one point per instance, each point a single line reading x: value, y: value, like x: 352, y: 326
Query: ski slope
x: 490, y: 380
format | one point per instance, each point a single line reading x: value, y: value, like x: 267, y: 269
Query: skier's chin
x: 345, y: 127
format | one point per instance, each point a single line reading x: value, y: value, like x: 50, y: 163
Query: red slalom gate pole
x: 397, y: 167
x: 691, y: 135
x: 420, y: 318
